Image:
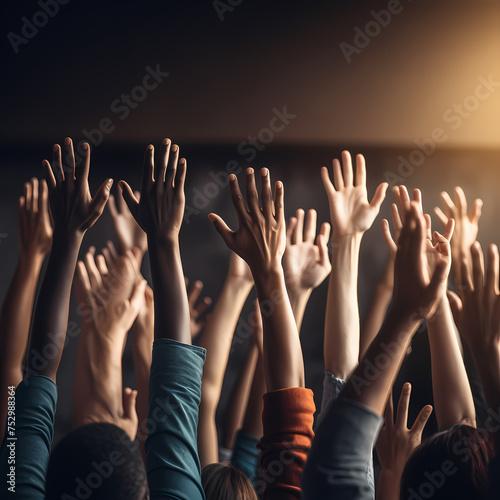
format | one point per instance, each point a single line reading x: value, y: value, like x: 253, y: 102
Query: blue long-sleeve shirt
x: 172, y: 462
x: 35, y: 409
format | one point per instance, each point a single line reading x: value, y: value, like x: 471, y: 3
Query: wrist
x: 350, y: 239
x: 238, y: 283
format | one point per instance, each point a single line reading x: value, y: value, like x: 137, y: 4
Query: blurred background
x: 413, y: 85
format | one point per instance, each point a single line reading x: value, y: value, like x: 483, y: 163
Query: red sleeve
x: 288, y: 418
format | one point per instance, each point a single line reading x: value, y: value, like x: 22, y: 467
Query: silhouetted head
x: 224, y: 481
x: 449, y: 464
x: 96, y: 461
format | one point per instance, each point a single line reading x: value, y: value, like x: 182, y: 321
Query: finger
x: 98, y: 203
x: 162, y: 163
x: 428, y: 226
x: 112, y: 249
x: 172, y: 166
x: 130, y: 199
x: 49, y: 175
x: 266, y: 194
x: 493, y: 270
x: 477, y: 267
x: 112, y: 207
x: 322, y: 243
x: 83, y: 277
x: 101, y: 265
x: 403, y: 404
x: 222, y: 228
x: 347, y: 168
x: 129, y: 403
x: 449, y: 229
x: 379, y: 195
x: 360, y: 171
x: 147, y: 171
x: 93, y: 273
x: 443, y: 219
x: 299, y: 227
x: 34, y: 196
x: 310, y: 227
x: 108, y: 258
x: 69, y: 160
x: 327, y: 183
x: 57, y: 163
x: 417, y: 196
x: 28, y: 196
x: 421, y: 421
x: 82, y: 171
x: 252, y: 196
x: 391, y: 244
x: 461, y: 201
x: 180, y: 179
x: 405, y: 202
x: 279, y: 204
x: 194, y: 294
x: 237, y: 198
x: 290, y: 228
x: 338, y: 178
x: 325, y: 231
x: 449, y: 206
x: 475, y: 212
x: 396, y: 219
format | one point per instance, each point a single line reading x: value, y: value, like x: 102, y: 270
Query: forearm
x: 51, y: 315
x: 372, y: 381
x: 453, y: 399
x: 142, y: 353
x: 341, y: 343
x: 280, y: 333
x: 252, y: 423
x: 298, y: 300
x: 239, y: 397
x: 218, y: 334
x: 172, y: 319
x: 16, y: 315
x: 372, y: 322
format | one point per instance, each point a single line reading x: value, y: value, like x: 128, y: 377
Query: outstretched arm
x: 35, y: 239
x: 305, y: 264
x: 172, y: 461
x: 351, y: 215
x: 216, y: 339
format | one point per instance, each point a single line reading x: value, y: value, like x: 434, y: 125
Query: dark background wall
x: 226, y: 79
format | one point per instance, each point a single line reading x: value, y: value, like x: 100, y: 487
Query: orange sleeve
x: 288, y: 418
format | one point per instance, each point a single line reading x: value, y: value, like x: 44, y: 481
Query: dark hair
x: 449, y: 464
x: 96, y: 461
x: 224, y: 481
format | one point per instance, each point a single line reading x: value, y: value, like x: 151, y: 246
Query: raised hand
x: 261, y: 235
x: 306, y: 264
x: 35, y: 226
x: 73, y: 208
x: 424, y: 280
x: 160, y: 209
x: 129, y: 233
x: 396, y: 443
x: 350, y: 211
x: 197, y: 308
x: 466, y: 224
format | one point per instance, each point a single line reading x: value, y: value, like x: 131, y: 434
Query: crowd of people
x: 161, y: 440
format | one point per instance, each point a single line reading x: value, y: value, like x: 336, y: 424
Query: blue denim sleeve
x: 343, y: 445
x: 25, y: 453
x: 246, y: 454
x: 172, y: 462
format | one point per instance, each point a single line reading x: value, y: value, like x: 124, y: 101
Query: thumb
x: 98, y: 203
x: 222, y: 229
x: 130, y: 198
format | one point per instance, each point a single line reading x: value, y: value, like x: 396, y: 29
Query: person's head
x: 223, y: 481
x: 449, y: 464
x: 96, y: 461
